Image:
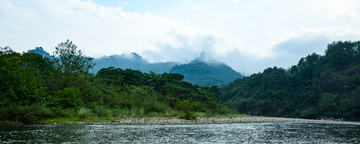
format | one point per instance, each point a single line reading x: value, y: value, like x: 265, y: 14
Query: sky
x: 250, y: 36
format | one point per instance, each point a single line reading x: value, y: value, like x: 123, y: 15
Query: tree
x: 72, y: 61
x: 71, y: 70
x: 340, y: 54
x: 72, y: 67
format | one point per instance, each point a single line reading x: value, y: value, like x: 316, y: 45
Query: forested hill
x: 124, y: 61
x: 203, y: 71
x: 319, y: 86
x: 34, y: 88
x: 206, y: 72
x: 131, y: 61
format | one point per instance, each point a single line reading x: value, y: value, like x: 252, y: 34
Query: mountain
x: 131, y: 61
x: 205, y: 71
x: 40, y: 51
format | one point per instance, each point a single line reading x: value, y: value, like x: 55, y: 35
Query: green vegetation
x: 317, y: 87
x: 61, y: 89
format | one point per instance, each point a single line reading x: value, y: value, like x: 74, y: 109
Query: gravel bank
x: 215, y: 120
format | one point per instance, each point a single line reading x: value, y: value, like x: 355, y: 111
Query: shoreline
x: 204, y: 120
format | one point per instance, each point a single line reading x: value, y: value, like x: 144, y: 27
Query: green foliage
x: 187, y: 108
x: 341, y: 54
x: 156, y: 106
x: 66, y: 98
x: 103, y: 111
x: 318, y: 86
x: 72, y: 61
x: 25, y: 114
x: 60, y: 88
x: 83, y: 113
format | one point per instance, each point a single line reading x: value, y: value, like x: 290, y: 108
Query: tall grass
x: 84, y: 113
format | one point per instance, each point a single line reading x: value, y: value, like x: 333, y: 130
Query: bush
x: 11, y: 112
x: 226, y: 110
x: 66, y: 98
x: 26, y: 114
x: 155, y: 106
x: 188, y: 115
x: 102, y: 111
x: 68, y: 112
x: 186, y: 107
x: 84, y: 113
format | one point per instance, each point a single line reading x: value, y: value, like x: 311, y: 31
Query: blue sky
x: 247, y: 35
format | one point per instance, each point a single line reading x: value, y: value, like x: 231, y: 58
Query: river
x: 284, y: 132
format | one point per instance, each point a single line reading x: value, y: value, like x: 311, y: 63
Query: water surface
x: 204, y: 133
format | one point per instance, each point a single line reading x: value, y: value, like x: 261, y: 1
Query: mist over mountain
x: 206, y: 71
x: 131, y: 61
x: 203, y: 71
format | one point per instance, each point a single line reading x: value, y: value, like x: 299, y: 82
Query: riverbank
x: 201, y: 120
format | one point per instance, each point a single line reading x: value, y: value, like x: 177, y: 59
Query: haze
x: 247, y: 35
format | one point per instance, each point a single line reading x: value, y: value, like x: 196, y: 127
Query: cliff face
x: 338, y: 81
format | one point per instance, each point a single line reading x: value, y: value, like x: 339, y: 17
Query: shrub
x: 186, y: 107
x: 155, y: 106
x: 84, y: 113
x: 188, y: 115
x: 102, y: 111
x: 67, y: 98
x: 68, y: 112
x: 28, y: 114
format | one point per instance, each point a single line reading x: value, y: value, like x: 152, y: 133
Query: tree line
x: 35, y: 88
x: 319, y: 86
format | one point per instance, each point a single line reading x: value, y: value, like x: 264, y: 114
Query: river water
x: 204, y: 133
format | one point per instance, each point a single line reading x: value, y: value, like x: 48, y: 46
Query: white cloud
x: 98, y: 30
x: 246, y: 31
x: 334, y: 8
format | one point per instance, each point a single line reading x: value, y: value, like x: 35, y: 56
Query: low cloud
x: 245, y: 34
x: 182, y: 48
x: 302, y: 45
x: 287, y: 53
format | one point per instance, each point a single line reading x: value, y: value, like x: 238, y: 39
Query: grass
x: 101, y: 114
x: 7, y: 122
x: 107, y: 119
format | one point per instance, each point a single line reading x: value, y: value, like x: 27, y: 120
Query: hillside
x: 205, y: 71
x: 35, y: 89
x: 318, y: 86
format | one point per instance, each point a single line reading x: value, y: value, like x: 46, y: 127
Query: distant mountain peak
x: 129, y: 56
x: 136, y: 56
x: 206, y: 71
x: 40, y: 51
x: 132, y: 61
x: 205, y: 58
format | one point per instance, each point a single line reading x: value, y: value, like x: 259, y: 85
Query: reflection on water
x: 206, y: 133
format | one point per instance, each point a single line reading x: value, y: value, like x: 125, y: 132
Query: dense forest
x: 36, y: 88
x: 318, y: 86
